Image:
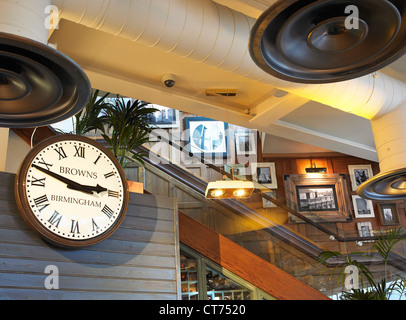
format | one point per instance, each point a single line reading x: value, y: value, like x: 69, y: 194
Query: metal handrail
x: 269, y: 198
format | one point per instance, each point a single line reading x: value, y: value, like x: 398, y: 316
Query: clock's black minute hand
x: 71, y: 184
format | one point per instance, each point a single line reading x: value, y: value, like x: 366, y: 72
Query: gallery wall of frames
x: 330, y: 195
x: 364, y: 216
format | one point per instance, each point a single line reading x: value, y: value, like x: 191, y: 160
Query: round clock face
x: 72, y: 190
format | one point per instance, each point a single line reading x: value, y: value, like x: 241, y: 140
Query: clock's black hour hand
x: 70, y: 184
x: 79, y: 187
x: 96, y: 189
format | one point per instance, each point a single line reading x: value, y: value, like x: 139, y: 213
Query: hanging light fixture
x: 229, y: 189
x: 39, y: 85
x: 313, y: 41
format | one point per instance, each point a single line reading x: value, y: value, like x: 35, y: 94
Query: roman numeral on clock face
x: 97, y: 160
x: 107, y: 211
x: 109, y: 175
x: 74, y: 227
x: 47, y: 165
x: 38, y: 182
x: 95, y: 227
x: 113, y: 194
x: 80, y: 152
x: 41, y: 202
x: 61, y: 153
x: 55, y: 219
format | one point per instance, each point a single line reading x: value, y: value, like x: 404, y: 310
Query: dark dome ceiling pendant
x: 312, y: 41
x: 38, y: 84
x: 385, y: 186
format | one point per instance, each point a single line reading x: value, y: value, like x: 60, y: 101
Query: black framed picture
x: 322, y: 195
x: 388, y: 214
x: 316, y: 198
x: 164, y: 117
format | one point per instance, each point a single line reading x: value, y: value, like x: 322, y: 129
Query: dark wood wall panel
x: 335, y: 163
x: 139, y: 261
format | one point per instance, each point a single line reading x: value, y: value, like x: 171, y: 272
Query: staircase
x: 243, y: 237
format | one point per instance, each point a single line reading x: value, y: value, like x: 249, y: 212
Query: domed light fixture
x: 314, y: 41
x: 39, y: 85
x: 385, y: 186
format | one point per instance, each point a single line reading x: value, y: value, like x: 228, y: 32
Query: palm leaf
x: 379, y: 290
x: 386, y: 242
x: 129, y: 128
x: 90, y: 118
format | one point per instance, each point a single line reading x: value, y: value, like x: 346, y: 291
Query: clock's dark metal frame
x: 29, y: 216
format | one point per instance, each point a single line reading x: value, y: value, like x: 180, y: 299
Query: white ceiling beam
x: 297, y: 133
x: 275, y: 108
x: 178, y: 99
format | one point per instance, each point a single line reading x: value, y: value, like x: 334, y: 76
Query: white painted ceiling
x: 133, y: 69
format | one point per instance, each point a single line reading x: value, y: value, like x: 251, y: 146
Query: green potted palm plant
x: 125, y: 129
x: 371, y: 289
x: 123, y: 126
x: 89, y: 119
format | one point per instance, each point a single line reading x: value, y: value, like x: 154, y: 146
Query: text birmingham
x: 72, y: 200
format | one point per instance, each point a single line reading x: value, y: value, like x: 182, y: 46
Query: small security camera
x: 169, y: 80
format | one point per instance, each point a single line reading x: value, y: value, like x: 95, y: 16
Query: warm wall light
x: 229, y: 189
x: 314, y: 169
x: 217, y: 193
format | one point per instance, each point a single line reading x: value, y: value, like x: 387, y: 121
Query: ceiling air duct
x: 200, y: 31
x: 390, y: 137
x: 38, y: 84
x: 309, y: 41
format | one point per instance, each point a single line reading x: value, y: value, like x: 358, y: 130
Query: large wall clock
x: 72, y: 191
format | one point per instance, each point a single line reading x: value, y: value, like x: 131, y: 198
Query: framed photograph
x: 264, y: 173
x: 388, y: 213
x: 365, y: 229
x: 245, y: 143
x: 316, y: 198
x: 164, y: 117
x: 238, y: 170
x: 266, y: 203
x: 323, y: 197
x: 359, y: 174
x: 207, y: 136
x: 363, y: 208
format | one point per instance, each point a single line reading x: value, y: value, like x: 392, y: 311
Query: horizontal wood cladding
x: 243, y: 263
x: 139, y: 261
